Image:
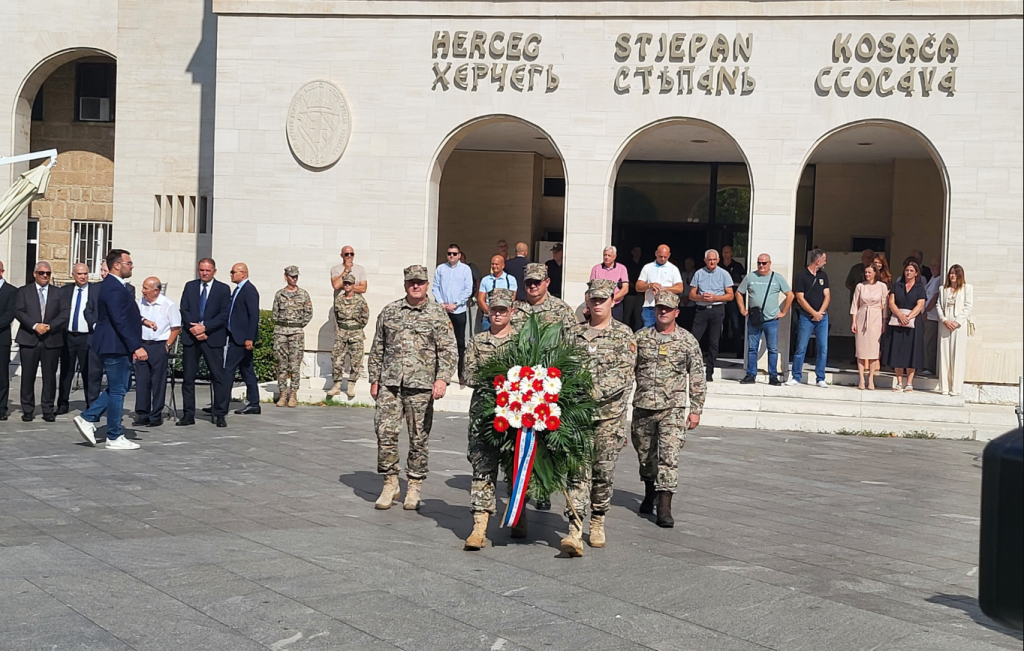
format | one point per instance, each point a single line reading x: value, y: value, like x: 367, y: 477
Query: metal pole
x: 49, y: 153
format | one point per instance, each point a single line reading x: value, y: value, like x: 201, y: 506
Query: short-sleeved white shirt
x: 665, y: 275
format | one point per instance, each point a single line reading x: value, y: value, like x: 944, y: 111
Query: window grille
x: 90, y: 241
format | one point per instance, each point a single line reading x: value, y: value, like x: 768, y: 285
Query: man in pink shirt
x: 609, y: 269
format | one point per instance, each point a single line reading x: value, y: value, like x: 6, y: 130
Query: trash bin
x: 1000, y: 573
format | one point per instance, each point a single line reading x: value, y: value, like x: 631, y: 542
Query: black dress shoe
x: 28, y: 418
x: 775, y: 381
x: 154, y: 423
x: 185, y: 421
x: 140, y: 422
x: 249, y: 409
x: 219, y: 421
x: 207, y: 410
x: 3, y: 416
x: 543, y: 505
x: 49, y: 418
x: 748, y: 379
x: 63, y: 409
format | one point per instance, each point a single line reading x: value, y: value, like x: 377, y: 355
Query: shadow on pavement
x: 970, y: 606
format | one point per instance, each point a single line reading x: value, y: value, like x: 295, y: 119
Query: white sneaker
x: 86, y: 429
x: 121, y: 443
x: 792, y: 382
x: 823, y: 384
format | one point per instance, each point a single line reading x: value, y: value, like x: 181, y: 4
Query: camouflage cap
x: 600, y: 288
x: 291, y: 270
x: 416, y: 272
x: 349, y: 279
x: 536, y: 271
x: 667, y: 298
x: 501, y: 297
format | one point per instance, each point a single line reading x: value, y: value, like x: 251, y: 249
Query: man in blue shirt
x: 498, y: 278
x: 452, y: 288
x: 710, y: 289
x: 761, y: 291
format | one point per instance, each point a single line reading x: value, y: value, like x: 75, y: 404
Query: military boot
x: 647, y: 506
x: 351, y: 390
x: 292, y: 401
x: 412, y: 495
x: 519, y: 529
x: 389, y: 494
x: 596, y: 530
x: 335, y: 390
x: 283, y: 400
x: 573, y: 543
x: 478, y: 539
x: 665, y: 510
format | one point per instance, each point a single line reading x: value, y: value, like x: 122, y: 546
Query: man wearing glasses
x: 43, y: 312
x: 348, y: 266
x: 757, y: 298
x: 453, y: 286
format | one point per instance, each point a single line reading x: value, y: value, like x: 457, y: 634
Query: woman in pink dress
x: 868, y: 312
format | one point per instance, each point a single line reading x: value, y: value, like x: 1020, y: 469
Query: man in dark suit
x: 7, y: 294
x: 243, y: 327
x: 42, y: 310
x: 82, y: 297
x: 117, y: 339
x: 516, y: 267
x: 205, y: 303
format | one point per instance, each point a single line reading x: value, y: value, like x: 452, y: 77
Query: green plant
x: 562, y: 453
x: 863, y: 432
x: 263, y: 359
x: 918, y: 434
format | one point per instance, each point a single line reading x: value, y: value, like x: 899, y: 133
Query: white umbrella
x: 30, y: 186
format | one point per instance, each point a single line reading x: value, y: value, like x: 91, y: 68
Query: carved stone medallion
x: 318, y: 124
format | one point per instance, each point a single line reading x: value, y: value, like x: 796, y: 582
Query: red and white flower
x: 528, y: 397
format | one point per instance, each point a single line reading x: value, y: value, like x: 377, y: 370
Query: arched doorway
x: 496, y: 178
x: 877, y: 185
x: 685, y: 183
x: 68, y: 102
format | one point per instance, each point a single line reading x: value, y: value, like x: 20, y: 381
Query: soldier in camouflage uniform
x: 612, y: 360
x: 351, y: 314
x: 669, y: 398
x: 482, y: 456
x: 412, y: 359
x: 548, y: 308
x: 292, y: 312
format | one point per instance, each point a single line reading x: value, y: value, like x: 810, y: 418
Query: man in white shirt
x: 931, y: 323
x: 161, y: 323
x: 656, y: 276
x: 75, y: 352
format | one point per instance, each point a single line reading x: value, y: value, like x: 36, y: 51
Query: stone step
x: 728, y: 387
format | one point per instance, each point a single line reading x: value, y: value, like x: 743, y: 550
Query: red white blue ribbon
x: 526, y: 447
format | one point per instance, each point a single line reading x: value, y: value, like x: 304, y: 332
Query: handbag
x: 895, y: 322
x: 756, y: 314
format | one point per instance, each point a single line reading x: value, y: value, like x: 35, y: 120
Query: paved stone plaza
x: 263, y: 536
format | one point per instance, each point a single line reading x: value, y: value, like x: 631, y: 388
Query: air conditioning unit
x: 94, y: 109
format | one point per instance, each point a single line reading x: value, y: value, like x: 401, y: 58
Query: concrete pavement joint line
x: 79, y: 613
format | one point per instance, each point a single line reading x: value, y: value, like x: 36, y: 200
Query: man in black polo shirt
x: 812, y: 296
x: 732, y: 311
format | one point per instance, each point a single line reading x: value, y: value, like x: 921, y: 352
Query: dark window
x: 31, y: 248
x: 554, y: 187
x: 873, y: 243
x: 96, y: 82
x: 37, y: 106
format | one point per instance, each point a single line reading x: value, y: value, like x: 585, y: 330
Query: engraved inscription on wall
x: 494, y: 59
x: 682, y: 64
x: 909, y: 65
x: 318, y: 124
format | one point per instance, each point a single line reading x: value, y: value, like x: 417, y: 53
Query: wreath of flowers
x: 528, y: 397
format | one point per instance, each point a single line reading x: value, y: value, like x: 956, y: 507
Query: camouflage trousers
x: 484, y: 460
x: 594, y: 488
x: 288, y: 352
x: 348, y: 344
x: 658, y: 435
x: 416, y: 408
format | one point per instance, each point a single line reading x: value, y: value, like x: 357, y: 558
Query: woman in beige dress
x: 868, y: 311
x: 956, y: 299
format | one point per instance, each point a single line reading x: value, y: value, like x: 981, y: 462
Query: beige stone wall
x: 918, y: 207
x: 851, y: 200
x: 82, y: 183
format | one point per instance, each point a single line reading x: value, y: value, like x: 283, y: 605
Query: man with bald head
x: 161, y: 323
x: 82, y: 297
x: 498, y: 278
x: 516, y: 267
x: 656, y: 276
x: 243, y: 327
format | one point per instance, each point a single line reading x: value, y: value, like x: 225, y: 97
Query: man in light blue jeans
x: 760, y: 291
x: 813, y: 296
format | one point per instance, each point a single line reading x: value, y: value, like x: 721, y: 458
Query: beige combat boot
x: 478, y: 539
x: 389, y: 494
x: 351, y: 390
x: 283, y: 400
x: 573, y: 543
x: 335, y: 390
x: 412, y: 495
x: 293, y: 398
x: 596, y: 530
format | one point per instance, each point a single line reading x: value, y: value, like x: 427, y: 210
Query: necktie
x: 78, y: 306
x: 42, y: 303
x: 231, y: 310
x: 202, y: 302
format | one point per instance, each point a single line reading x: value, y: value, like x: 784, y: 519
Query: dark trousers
x: 686, y: 316
x: 31, y: 358
x: 75, y: 356
x: 240, y: 358
x: 190, y: 368
x: 5, y: 371
x: 459, y: 324
x: 735, y: 322
x: 632, y: 305
x: 709, y: 320
x: 618, y: 312
x: 151, y: 382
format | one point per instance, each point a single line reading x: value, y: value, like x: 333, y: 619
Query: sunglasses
x: 43, y: 273
x: 347, y: 255
x: 761, y: 264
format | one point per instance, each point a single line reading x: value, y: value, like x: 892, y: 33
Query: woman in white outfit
x: 954, y: 309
